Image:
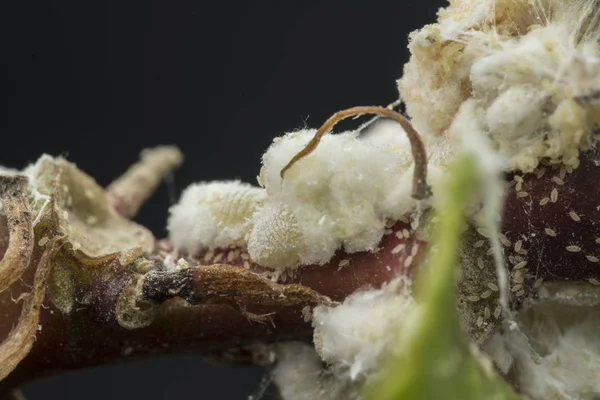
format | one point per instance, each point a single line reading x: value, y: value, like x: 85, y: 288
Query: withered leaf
x: 20, y: 339
x: 97, y: 235
x: 13, y: 198
x: 202, y: 284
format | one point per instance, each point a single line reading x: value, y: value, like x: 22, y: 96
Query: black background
x: 99, y: 81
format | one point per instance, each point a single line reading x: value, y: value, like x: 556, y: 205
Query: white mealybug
x: 275, y: 239
x: 338, y: 197
x: 213, y: 215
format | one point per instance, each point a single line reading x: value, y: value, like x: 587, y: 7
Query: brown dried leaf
x: 204, y: 284
x: 97, y: 234
x: 20, y: 339
x: 13, y: 196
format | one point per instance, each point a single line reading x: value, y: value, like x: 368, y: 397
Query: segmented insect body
x: 214, y: 215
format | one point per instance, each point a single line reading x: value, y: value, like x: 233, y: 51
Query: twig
x: 420, y: 188
x: 16, y: 394
x: 132, y: 189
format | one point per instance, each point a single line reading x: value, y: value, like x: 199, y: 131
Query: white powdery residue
x: 525, y: 88
x: 554, y: 351
x: 463, y: 16
x: 339, y: 196
x: 171, y: 265
x: 524, y: 103
x: 524, y: 60
x: 37, y: 180
x: 435, y: 80
x: 386, y: 132
x: 390, y: 135
x: 8, y: 171
x: 212, y: 215
x: 300, y: 375
x: 466, y: 127
x: 530, y: 66
x: 355, y: 336
x: 4, y: 233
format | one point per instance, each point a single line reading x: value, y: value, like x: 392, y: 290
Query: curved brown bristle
x: 420, y: 188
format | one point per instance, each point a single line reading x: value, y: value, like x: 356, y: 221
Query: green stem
x: 436, y: 360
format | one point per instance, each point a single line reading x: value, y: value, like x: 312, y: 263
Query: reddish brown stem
x: 218, y: 331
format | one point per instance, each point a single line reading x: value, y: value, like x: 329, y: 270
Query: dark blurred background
x: 99, y: 81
